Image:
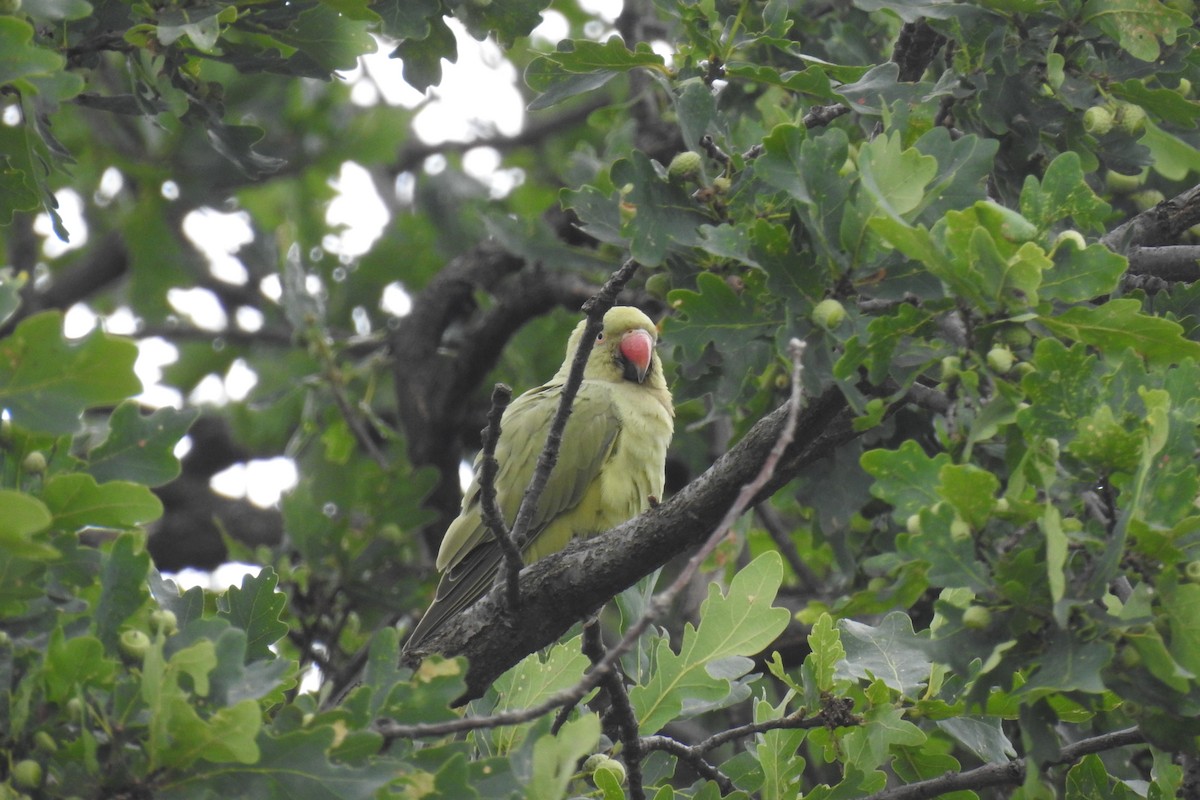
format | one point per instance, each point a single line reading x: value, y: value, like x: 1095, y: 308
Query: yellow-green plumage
x: 609, y: 466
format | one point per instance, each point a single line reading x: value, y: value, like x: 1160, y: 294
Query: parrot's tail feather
x: 461, y: 586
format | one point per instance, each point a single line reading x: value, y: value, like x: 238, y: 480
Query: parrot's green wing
x: 469, y: 554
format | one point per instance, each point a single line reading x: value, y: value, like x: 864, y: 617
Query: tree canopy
x: 926, y: 275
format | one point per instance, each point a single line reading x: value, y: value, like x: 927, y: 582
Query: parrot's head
x: 624, y: 348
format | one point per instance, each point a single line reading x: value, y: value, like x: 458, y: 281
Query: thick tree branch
x: 559, y: 590
x: 1161, y: 225
x: 1171, y: 263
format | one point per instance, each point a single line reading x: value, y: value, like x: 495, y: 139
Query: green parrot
x: 610, y: 465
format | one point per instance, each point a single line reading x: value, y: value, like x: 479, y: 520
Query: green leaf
x: 75, y: 663
x: 971, y: 490
x: 532, y: 681
x: 884, y: 727
x: 1069, y: 664
x: 330, y: 39
x: 231, y: 679
x: 1079, y: 275
x: 905, y: 478
x: 1120, y: 324
x: 666, y: 217
x: 77, y: 501
x: 720, y: 330
x: 983, y: 736
x: 780, y: 164
x: 423, y: 56
x: 895, y: 177
x: 555, y: 757
x: 226, y: 736
x: 58, y: 10
x: 23, y: 517
x: 1182, y: 605
x: 122, y: 588
x: 18, y: 57
x: 950, y: 554
x: 1168, y: 104
x: 1061, y: 391
x: 404, y: 19
x: 740, y: 623
x: 963, y: 166
x: 141, y: 448
x: 1107, y: 444
x: 1173, y: 158
x: 1088, y: 779
x: 777, y: 752
x: 827, y: 652
x: 807, y: 169
x: 255, y: 608
x: 1056, y: 551
x: 580, y: 65
x: 296, y: 764
x: 506, y: 21
x: 1137, y: 25
x: 46, y: 382
x: 891, y: 652
x: 1063, y: 192
x: 914, y: 241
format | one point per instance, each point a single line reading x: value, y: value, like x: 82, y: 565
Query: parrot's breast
x: 633, y: 473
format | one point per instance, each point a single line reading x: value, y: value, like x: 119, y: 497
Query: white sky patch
x: 121, y: 322
x: 154, y: 353
x: 209, y: 391
x: 261, y: 481
x: 396, y: 300
x: 220, y: 579
x: 405, y: 188
x: 271, y: 287
x: 478, y: 95
x: 608, y: 10
x: 200, y: 306
x: 483, y: 163
x: 240, y: 380
x: 70, y: 209
x: 218, y: 235
x: 249, y: 319
x: 111, y: 184
x: 183, y: 447
x: 79, y: 321
x: 551, y: 30
x: 385, y: 79
x: 359, y: 208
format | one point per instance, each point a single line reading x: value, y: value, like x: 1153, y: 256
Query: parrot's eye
x: 599, y: 337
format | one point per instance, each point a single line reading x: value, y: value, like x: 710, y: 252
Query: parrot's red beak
x: 637, y: 347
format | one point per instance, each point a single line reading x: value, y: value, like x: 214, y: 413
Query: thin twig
x: 595, y: 308
x: 773, y: 523
x: 694, y: 754
x: 693, y: 758
x: 488, y: 469
x: 631, y: 743
x: 661, y: 602
x: 1008, y: 773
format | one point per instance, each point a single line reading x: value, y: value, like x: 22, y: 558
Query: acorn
x: 1097, y: 120
x: 685, y: 166
x: 828, y: 314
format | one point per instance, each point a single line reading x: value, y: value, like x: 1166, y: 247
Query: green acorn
x: 685, y: 166
x: 1097, y: 120
x: 828, y: 313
